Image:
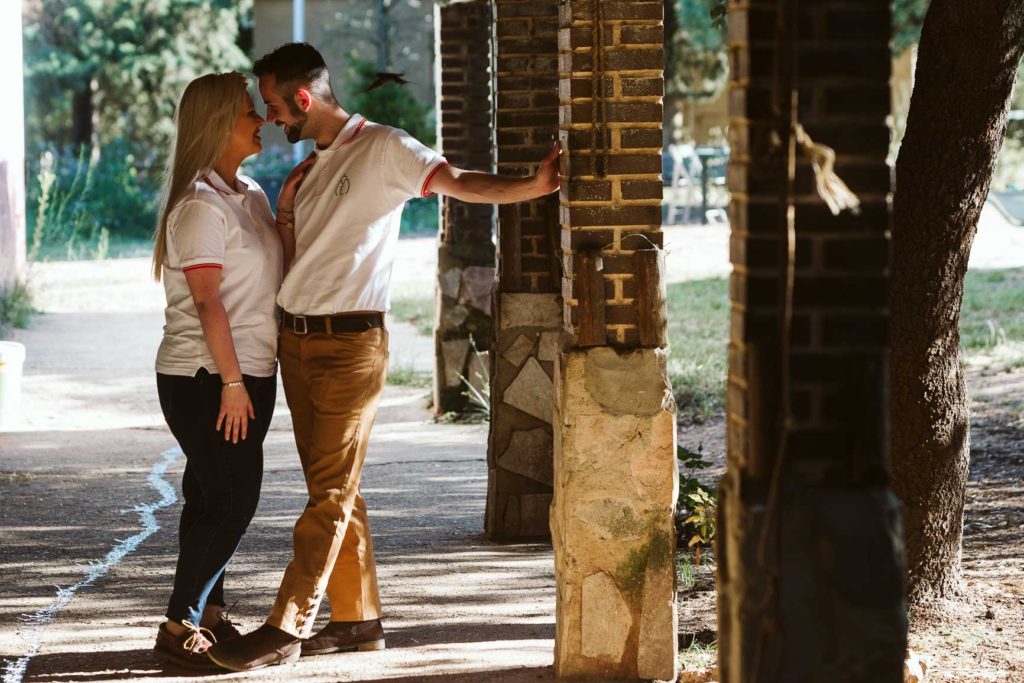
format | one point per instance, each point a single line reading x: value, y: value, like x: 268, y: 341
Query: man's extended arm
x: 487, y: 188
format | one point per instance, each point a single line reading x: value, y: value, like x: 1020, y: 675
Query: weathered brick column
x: 12, y: 154
x: 615, y: 463
x: 810, y: 567
x: 528, y: 312
x: 465, y: 258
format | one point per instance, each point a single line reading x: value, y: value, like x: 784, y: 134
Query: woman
x: 221, y: 260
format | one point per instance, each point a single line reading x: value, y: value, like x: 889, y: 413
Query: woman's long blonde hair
x: 204, y: 120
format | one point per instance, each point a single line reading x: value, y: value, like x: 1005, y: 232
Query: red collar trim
x: 355, y: 132
x: 206, y: 179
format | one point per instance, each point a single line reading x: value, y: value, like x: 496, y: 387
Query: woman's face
x: 245, y: 136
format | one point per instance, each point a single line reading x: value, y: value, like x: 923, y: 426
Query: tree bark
x: 967, y: 61
x: 82, y: 115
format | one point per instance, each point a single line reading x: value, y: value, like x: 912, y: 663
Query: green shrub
x: 15, y: 307
x: 420, y: 216
x: 79, y: 202
x: 390, y: 104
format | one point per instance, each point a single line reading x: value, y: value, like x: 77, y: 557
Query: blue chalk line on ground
x: 14, y: 671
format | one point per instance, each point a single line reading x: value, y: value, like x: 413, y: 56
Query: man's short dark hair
x: 295, y: 65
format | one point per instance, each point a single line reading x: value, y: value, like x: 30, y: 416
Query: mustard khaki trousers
x: 333, y: 384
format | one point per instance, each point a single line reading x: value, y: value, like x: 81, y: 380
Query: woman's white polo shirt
x: 216, y: 226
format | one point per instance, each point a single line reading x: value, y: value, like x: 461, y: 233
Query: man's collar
x: 347, y: 133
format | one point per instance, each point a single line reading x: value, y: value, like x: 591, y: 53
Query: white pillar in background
x: 298, y: 36
x: 12, y: 147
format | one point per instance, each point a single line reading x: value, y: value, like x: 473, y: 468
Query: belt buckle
x: 295, y: 325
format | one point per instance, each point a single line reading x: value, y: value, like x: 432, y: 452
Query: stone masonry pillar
x: 810, y: 555
x: 615, y: 463
x: 528, y: 313
x: 465, y: 259
x: 12, y: 152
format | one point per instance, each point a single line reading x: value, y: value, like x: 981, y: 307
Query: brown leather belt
x: 331, y: 324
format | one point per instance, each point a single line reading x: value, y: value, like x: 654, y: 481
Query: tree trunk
x: 81, y: 115
x: 382, y: 25
x: 967, y: 61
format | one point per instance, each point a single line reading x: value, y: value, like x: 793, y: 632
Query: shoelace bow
x: 197, y: 635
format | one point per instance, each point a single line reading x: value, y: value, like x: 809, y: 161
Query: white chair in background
x: 683, y: 193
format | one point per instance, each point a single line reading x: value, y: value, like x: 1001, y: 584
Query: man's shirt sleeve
x: 409, y: 165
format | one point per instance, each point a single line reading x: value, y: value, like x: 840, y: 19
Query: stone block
x: 658, y: 641
x: 518, y: 350
x: 533, y: 514
x: 530, y: 310
x: 612, y: 526
x: 477, y: 283
x: 531, y: 391
x: 454, y: 353
x: 453, y: 317
x: 529, y: 454
x: 548, y: 348
x: 449, y: 282
x: 606, y: 618
x: 478, y: 373
x: 608, y: 372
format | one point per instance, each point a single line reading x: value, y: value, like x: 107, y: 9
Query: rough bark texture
x: 81, y: 116
x: 967, y: 61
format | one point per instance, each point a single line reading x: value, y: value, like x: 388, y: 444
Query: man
x: 339, y: 251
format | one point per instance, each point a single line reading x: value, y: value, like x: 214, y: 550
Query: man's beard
x: 293, y: 131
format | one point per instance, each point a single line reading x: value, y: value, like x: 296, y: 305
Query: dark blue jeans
x: 220, y: 487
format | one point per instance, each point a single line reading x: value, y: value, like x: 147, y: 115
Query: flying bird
x: 385, y: 77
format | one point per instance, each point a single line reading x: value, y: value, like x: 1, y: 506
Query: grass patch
x: 698, y: 330
x: 684, y: 571
x: 992, y: 316
x: 418, y: 311
x: 113, y: 247
x: 403, y: 375
x: 992, y: 324
x: 698, y: 654
x: 15, y: 307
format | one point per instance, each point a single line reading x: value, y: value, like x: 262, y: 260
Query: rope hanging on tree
x: 600, y: 136
x: 831, y: 187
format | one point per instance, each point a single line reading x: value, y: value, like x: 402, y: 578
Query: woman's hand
x: 286, y: 199
x: 235, y: 412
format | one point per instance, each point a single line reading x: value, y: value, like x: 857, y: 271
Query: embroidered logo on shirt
x: 343, y: 187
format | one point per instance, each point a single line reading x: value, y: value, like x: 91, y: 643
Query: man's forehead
x: 267, y: 85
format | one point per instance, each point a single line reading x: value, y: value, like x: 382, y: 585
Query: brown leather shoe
x: 187, y: 650
x: 265, y: 646
x: 225, y: 629
x: 345, y: 636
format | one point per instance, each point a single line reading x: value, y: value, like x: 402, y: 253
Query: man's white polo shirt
x: 215, y: 226
x: 347, y: 214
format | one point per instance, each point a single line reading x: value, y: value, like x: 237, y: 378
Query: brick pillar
x: 528, y: 311
x: 465, y: 259
x: 615, y: 462
x: 810, y: 566
x: 12, y: 153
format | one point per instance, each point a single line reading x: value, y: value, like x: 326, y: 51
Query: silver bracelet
x: 236, y: 383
